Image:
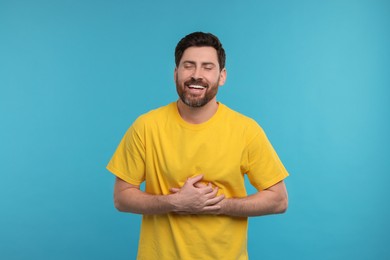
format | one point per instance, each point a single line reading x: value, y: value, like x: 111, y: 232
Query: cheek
x: 214, y: 78
x: 179, y: 75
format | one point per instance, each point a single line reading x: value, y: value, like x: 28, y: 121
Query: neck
x: 197, y: 115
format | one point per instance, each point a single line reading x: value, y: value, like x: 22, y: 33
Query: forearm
x: 261, y: 203
x: 136, y: 201
x: 186, y: 200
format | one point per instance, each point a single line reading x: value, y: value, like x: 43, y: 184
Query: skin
x: 199, y: 64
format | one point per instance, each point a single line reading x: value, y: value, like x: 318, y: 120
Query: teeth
x: 197, y: 86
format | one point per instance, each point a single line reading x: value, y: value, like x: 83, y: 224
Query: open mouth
x: 196, y: 84
x: 196, y: 87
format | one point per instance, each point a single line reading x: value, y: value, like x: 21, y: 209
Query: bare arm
x: 129, y: 198
x: 273, y: 200
x: 190, y: 199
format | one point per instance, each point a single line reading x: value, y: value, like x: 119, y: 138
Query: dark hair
x: 200, y: 39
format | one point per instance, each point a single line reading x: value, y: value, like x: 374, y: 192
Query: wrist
x: 172, y: 202
x: 225, y: 205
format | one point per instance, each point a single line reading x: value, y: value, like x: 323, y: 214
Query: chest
x: 173, y: 155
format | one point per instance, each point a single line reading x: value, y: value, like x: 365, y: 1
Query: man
x: 193, y: 155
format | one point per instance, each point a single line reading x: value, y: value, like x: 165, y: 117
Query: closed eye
x: 188, y: 65
x: 209, y: 66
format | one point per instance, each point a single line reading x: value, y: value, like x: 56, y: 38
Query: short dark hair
x: 200, y: 39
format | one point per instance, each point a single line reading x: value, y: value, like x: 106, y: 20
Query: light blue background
x: 75, y: 74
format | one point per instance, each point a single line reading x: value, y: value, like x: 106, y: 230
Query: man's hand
x: 196, y: 198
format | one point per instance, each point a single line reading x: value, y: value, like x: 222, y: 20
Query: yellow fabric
x: 163, y: 150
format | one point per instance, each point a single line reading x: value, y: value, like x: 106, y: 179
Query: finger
x: 200, y: 185
x: 211, y: 193
x: 195, y: 179
x: 211, y: 209
x: 206, y: 189
x: 174, y: 190
x: 215, y: 200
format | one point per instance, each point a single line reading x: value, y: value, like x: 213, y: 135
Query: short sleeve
x: 264, y: 166
x: 128, y: 161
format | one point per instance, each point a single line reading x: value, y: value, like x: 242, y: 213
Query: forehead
x: 200, y: 54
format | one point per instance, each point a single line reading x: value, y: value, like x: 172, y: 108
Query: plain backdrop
x: 74, y: 75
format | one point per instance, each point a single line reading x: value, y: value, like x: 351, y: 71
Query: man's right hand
x: 196, y: 198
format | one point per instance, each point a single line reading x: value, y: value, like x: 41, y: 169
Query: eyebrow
x: 203, y: 63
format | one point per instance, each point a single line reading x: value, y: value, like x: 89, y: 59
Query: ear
x: 222, y: 77
x: 175, y: 74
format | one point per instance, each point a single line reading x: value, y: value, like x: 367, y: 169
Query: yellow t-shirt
x: 163, y: 150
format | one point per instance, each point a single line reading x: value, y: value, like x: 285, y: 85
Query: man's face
x: 198, y: 76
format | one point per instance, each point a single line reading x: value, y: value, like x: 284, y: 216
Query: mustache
x: 199, y: 82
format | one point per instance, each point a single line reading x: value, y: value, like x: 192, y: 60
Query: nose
x: 197, y: 74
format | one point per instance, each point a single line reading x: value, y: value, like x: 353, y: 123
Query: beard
x: 193, y: 100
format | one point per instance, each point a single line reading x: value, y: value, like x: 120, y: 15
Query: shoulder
x: 155, y: 116
x: 149, y: 122
x: 240, y: 119
x: 241, y: 124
